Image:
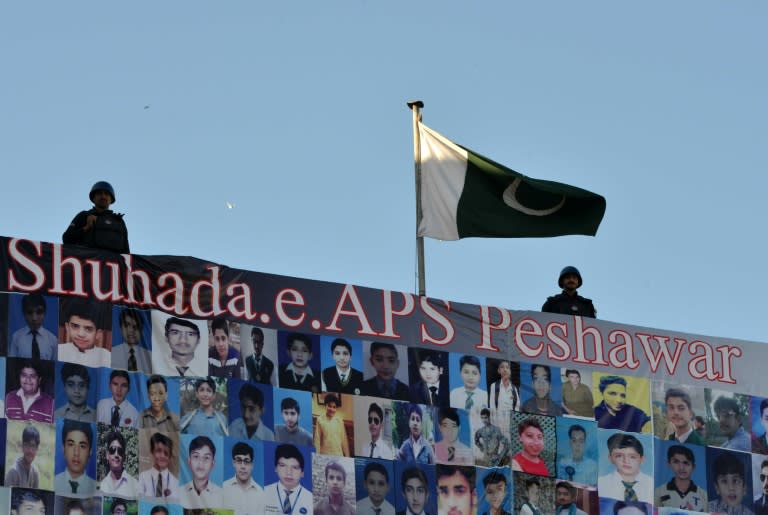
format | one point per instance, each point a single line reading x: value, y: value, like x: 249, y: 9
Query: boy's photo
x: 456, y: 492
x: 204, y: 406
x: 159, y: 455
x: 534, y: 495
x: 541, y: 390
x: 674, y: 410
x: 132, y: 344
x: 577, y: 393
x: 243, y: 476
x: 147, y: 507
x: 119, y: 506
x: 29, y: 386
x: 32, y: 324
x: 259, y: 347
x: 452, y: 445
x: 386, y: 371
x: 27, y: 501
x: 577, y: 450
x: 466, y: 382
x: 120, y: 396
x: 333, y: 488
x: 250, y: 410
x: 729, y: 428
x: 614, y: 507
x: 760, y: 483
x: 373, y: 428
x: 533, y: 442
x: 75, y: 459
x: 730, y: 481
x: 117, y: 461
x: 626, y: 466
x: 681, y: 476
x: 288, y: 478
x: 759, y: 410
x: 333, y: 424
x: 201, y: 471
x: 494, y: 487
x: 177, y: 348
x: 299, y: 361
x: 293, y: 424
x: 161, y: 403
x: 76, y: 387
x: 224, y: 349
x: 341, y: 361
x: 428, y: 373
x: 85, y: 332
x: 29, y: 453
x: 374, y: 486
x: 623, y: 402
x: 415, y: 485
x: 415, y: 433
x: 503, y: 379
x: 76, y: 506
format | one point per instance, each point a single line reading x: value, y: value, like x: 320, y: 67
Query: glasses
x: 241, y: 461
x: 374, y: 420
x: 115, y: 450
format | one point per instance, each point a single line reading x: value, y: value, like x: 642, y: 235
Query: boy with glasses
x: 117, y: 481
x: 241, y: 492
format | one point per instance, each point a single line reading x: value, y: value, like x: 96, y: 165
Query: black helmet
x: 569, y: 270
x: 102, y: 186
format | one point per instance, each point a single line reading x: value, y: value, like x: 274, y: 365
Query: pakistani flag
x: 464, y: 194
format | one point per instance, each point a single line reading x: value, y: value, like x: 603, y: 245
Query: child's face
x: 533, y: 493
x: 330, y: 409
x: 30, y: 381
x: 627, y: 462
x: 341, y: 356
x: 678, y: 413
x: 31, y: 508
x: 449, y: 430
x: 82, y: 332
x: 681, y: 466
x: 376, y: 484
x: 414, y: 423
x: 385, y: 362
x: 615, y: 396
x: 76, y: 389
x: 335, y: 481
x: 161, y: 455
x: 131, y: 330
x: 541, y: 383
x: 730, y: 488
x: 532, y: 440
x: 289, y: 472
x: 495, y: 493
x: 291, y: 418
x: 157, y: 396
x: 221, y: 342
x: 300, y: 354
x: 201, y: 462
x: 470, y: 376
x: 34, y: 316
x: 415, y: 494
x: 429, y: 372
x: 563, y: 496
x: 251, y: 413
x: 30, y: 451
x: 204, y: 395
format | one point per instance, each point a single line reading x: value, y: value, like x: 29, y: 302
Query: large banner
x: 167, y: 384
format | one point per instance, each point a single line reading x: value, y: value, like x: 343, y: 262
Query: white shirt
x: 365, y: 507
x: 94, y: 357
x: 148, y: 484
x: 129, y: 416
x: 381, y: 449
x: 210, y: 497
x: 610, y: 485
x: 459, y: 398
x: 248, y: 501
x: 126, y: 486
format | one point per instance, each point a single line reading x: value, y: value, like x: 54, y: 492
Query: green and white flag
x: 464, y: 194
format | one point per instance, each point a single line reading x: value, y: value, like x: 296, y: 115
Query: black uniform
x: 108, y: 233
x: 569, y: 305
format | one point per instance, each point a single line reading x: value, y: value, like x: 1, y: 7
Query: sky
x: 295, y: 113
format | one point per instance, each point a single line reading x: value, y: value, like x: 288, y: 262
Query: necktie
x: 287, y: 501
x: 470, y: 402
x: 433, y: 395
x: 115, y: 416
x: 343, y: 378
x: 377, y: 511
x: 257, y: 369
x: 74, y: 485
x: 373, y: 446
x: 159, y: 486
x: 182, y: 370
x: 35, y: 346
x: 629, y: 492
x: 451, y: 453
x: 132, y: 361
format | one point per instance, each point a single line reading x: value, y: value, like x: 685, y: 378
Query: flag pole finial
x: 415, y: 106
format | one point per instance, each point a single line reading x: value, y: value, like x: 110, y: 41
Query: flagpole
x: 415, y: 107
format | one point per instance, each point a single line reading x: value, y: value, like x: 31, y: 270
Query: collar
x: 307, y: 371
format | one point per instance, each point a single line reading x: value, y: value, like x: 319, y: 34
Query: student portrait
x: 730, y: 426
x: 577, y: 393
x: 681, y: 476
x: 117, y: 461
x: 623, y: 402
x: 202, y: 471
x: 341, y: 361
x: 292, y: 416
x: 132, y: 339
x: 577, y: 452
x: 333, y: 487
x: 77, y: 506
x: 76, y: 387
x: 494, y: 491
x: 75, y: 458
x: 374, y: 486
x: 159, y: 465
x: 428, y: 375
x: 503, y: 378
x: 452, y: 442
x: 386, y: 371
x: 29, y: 454
x: 288, y: 478
x: 415, y: 485
x: 541, y: 389
x: 258, y: 345
x: 533, y: 494
x: 224, y: 349
x: 179, y: 346
x: 32, y: 320
x: 333, y: 424
x: 625, y: 458
x: 678, y: 406
x: 759, y: 410
x: 29, y: 390
x: 373, y: 418
x: 85, y: 332
x: 119, y: 398
x: 250, y: 410
x: 160, y: 403
x: 533, y: 439
x: 415, y: 436
x: 243, y: 463
x: 204, y: 406
x: 299, y: 361
x: 729, y: 482
x: 467, y: 384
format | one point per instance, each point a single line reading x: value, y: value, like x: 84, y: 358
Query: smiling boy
x: 83, y: 331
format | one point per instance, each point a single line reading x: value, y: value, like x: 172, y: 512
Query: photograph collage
x: 114, y: 410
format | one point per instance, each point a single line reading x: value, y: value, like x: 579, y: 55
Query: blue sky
x: 295, y: 112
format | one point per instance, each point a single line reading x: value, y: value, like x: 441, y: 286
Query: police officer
x: 99, y: 227
x: 569, y: 302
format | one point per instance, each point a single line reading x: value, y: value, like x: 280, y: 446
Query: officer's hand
x: 89, y: 222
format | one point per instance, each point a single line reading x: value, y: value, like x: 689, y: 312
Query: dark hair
x: 288, y: 451
x: 375, y: 408
x: 624, y: 441
x: 220, y: 323
x: 680, y: 394
x: 205, y: 380
x: 376, y: 346
x: 574, y: 428
x: 30, y: 434
x: 334, y: 465
x: 21, y: 496
x: 469, y: 360
x: 290, y: 403
x: 181, y: 322
x: 158, y: 509
x: 75, y: 425
x: 727, y: 463
x: 33, y: 300
x: 494, y: 478
x: 450, y: 414
x: 727, y: 404
x: 415, y: 408
x: 131, y: 313
x: 528, y: 422
x: 115, y: 435
x: 120, y: 373
x: 257, y: 330
x: 82, y: 309
x: 304, y: 338
x: 764, y: 464
x: 251, y: 393
x: 199, y: 442
x: 74, y: 504
x: 34, y: 366
x: 679, y: 449
x: 450, y: 470
x: 565, y: 484
x: 620, y: 505
x: 242, y: 448
x: 430, y: 356
x: 529, y: 482
x: 118, y: 502
x: 606, y: 381
x: 545, y: 368
x: 373, y: 466
x: 75, y: 369
x: 485, y: 411
x: 157, y: 379
x: 570, y: 371
x: 413, y: 473
x: 341, y: 342
x: 160, y: 438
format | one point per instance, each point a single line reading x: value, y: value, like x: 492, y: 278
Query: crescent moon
x: 510, y: 198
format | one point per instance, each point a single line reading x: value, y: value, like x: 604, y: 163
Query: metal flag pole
x: 415, y: 107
